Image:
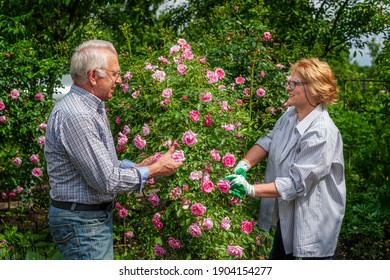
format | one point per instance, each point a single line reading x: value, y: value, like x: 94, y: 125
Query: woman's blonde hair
x: 321, y: 82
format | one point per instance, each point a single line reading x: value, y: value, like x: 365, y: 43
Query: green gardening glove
x: 241, y: 168
x: 239, y: 186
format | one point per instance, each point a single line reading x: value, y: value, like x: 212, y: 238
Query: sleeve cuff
x: 127, y: 164
x: 285, y: 188
x: 264, y: 142
x: 144, y: 171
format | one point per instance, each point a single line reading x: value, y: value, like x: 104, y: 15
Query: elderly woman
x: 303, y: 193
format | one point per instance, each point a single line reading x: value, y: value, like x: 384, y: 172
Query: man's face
x: 105, y: 86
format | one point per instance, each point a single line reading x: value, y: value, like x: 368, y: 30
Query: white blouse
x: 305, y: 160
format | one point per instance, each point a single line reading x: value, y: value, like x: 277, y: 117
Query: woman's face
x: 298, y: 94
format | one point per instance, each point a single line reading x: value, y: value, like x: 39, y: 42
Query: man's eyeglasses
x: 116, y: 74
x: 292, y: 84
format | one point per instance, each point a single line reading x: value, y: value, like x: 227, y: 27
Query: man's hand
x: 165, y: 165
x: 147, y: 161
x: 239, y: 186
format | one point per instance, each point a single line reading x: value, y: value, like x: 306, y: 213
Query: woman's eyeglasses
x: 292, y: 84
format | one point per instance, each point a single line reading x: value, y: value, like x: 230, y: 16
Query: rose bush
x: 26, y: 83
x: 173, y: 96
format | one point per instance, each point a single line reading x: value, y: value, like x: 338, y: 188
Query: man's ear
x: 92, y: 77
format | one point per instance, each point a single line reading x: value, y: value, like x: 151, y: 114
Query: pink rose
x: 2, y: 106
x: 3, y: 195
x: 129, y: 234
x: 139, y: 142
x: 122, y: 140
x: 228, y: 160
x: 174, y: 243
x: 194, y: 115
x: 158, y: 224
x: 207, y: 186
x: 186, y: 47
x: 174, y: 49
x: 39, y: 96
x: 14, y: 94
x: 41, y: 140
x: 208, y: 120
x: 188, y: 55
x: 17, y: 161
x: 225, y: 223
x: 126, y: 130
x: 157, y: 156
x: 3, y: 119
x: 175, y: 193
x: 206, y: 97
x: 118, y: 206
x: 262, y: 74
x: 42, y: 126
x: 197, y: 209
x: 159, y: 251
x: 195, y: 175
x: 236, y: 200
x: 212, y: 77
x: 123, y: 212
x: 121, y: 149
x: 207, y: 224
x: 267, y: 36
x: 37, y: 172
x: 145, y: 130
x: 215, y: 155
x: 223, y: 186
x: 34, y: 159
x: 163, y: 60
x: 159, y: 76
x: 235, y: 251
x: 178, y: 155
x: 246, y: 227
x: 189, y: 138
x: 195, y: 230
x: 260, y: 92
x: 18, y: 189
x: 220, y: 73
x: 182, y: 69
x: 153, y: 198
x: 240, y: 80
x: 181, y: 41
x: 167, y: 93
x: 202, y: 60
x: 127, y: 76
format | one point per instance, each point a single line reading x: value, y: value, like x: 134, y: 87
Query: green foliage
x: 233, y: 130
x: 16, y: 245
x: 365, y: 129
x: 33, y: 79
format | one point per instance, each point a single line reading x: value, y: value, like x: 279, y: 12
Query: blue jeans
x: 82, y: 235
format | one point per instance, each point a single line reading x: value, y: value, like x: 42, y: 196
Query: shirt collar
x: 306, y: 122
x: 88, y: 98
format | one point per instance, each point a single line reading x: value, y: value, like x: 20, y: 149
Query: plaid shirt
x: 305, y: 160
x: 82, y: 163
